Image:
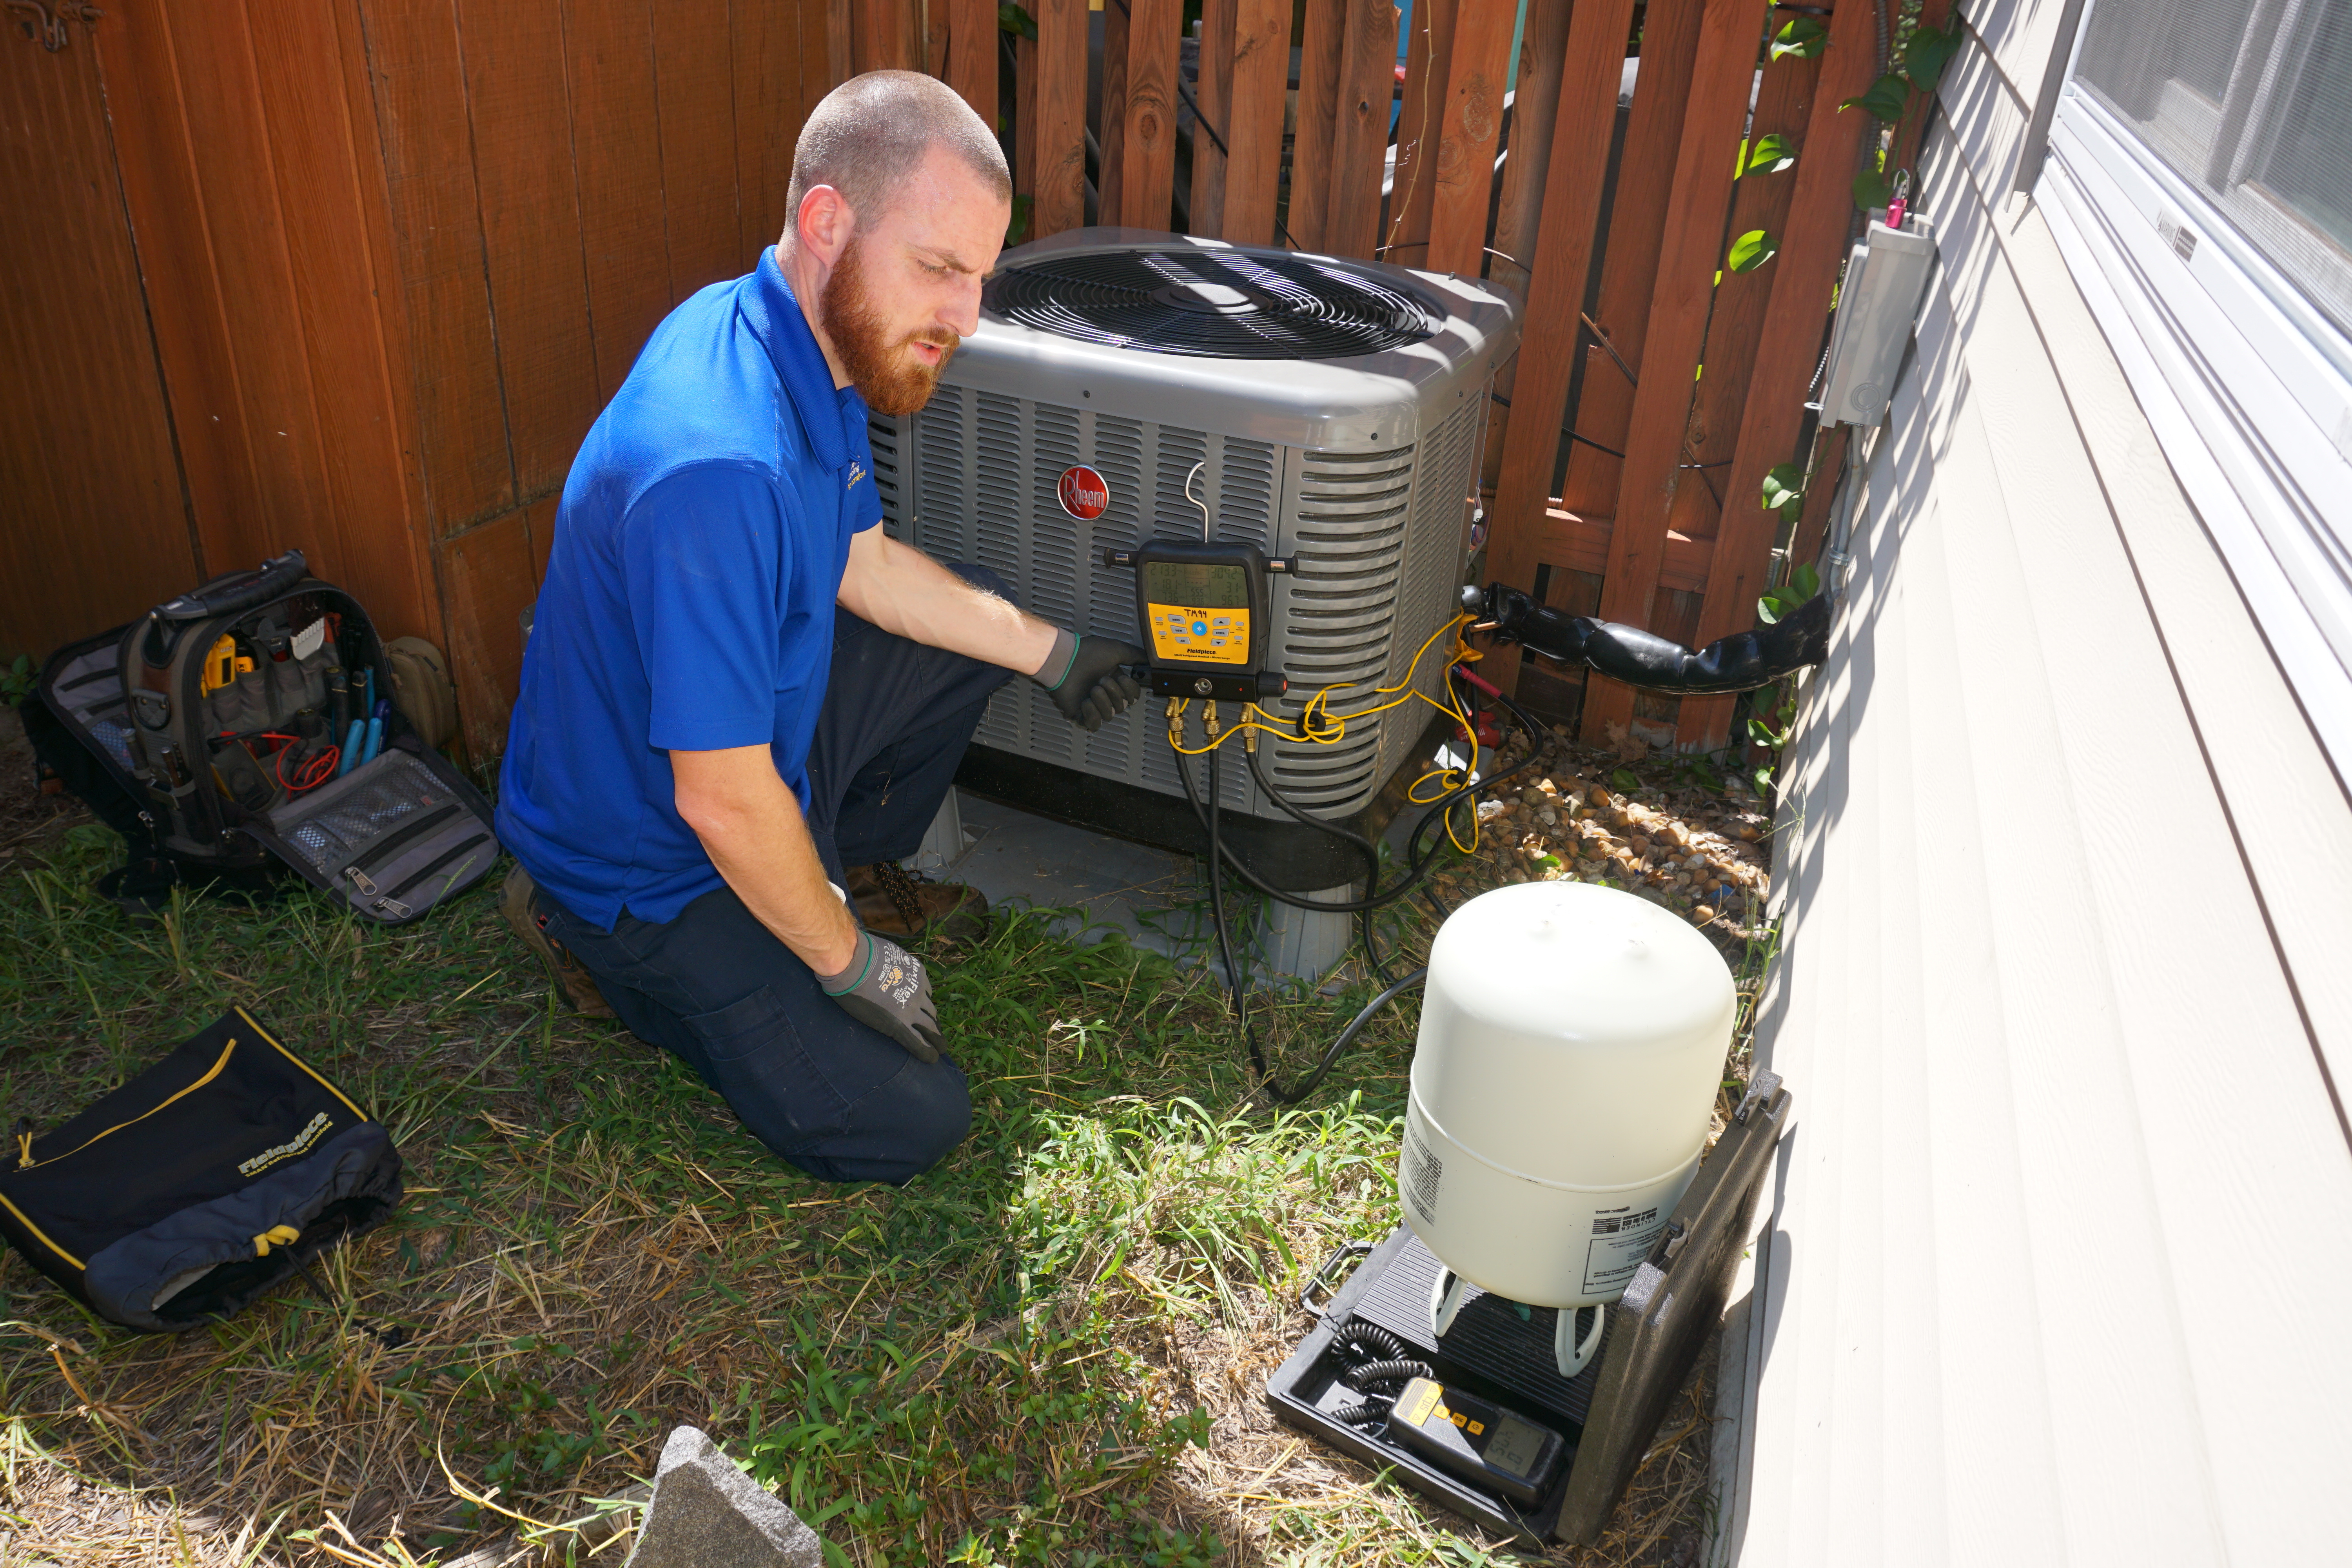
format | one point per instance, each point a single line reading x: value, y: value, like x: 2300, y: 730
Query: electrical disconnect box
x: 1878, y: 304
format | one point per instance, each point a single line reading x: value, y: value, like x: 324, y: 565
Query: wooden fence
x: 1683, y: 379
x: 357, y: 275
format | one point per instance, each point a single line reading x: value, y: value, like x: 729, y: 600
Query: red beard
x: 892, y: 381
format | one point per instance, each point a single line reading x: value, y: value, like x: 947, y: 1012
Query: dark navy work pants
x: 841, y: 1101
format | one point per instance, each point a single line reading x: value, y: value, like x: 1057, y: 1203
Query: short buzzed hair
x: 872, y: 132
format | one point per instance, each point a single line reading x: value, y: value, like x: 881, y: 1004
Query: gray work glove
x: 885, y: 988
x: 1087, y: 679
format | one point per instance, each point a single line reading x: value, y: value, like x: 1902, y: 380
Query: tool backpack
x: 249, y: 723
x: 201, y: 1183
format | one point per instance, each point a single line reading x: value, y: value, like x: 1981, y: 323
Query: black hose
x: 1347, y: 835
x: 1237, y: 983
x: 1419, y: 864
x: 1740, y: 662
x: 1212, y: 816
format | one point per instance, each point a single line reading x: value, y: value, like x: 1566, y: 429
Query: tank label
x: 1419, y: 1174
x: 1620, y: 1241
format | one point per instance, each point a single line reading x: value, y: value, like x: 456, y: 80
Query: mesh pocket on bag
x: 330, y: 833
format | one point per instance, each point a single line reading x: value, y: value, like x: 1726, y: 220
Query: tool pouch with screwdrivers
x: 200, y: 1184
x: 257, y: 720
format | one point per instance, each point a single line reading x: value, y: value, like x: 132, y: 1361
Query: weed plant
x: 1049, y: 1351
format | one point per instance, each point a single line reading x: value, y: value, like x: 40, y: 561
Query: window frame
x: 2246, y: 383
x: 2241, y: 135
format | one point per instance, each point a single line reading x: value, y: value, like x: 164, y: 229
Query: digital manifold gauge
x: 1203, y: 607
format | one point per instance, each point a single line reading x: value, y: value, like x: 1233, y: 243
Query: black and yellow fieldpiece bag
x: 200, y: 1184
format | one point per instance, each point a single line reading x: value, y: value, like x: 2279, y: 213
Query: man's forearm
x: 903, y: 591
x: 750, y: 824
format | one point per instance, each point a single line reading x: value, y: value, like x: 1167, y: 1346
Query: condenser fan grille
x: 1213, y: 304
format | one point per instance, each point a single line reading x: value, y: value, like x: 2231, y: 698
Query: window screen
x: 2252, y: 104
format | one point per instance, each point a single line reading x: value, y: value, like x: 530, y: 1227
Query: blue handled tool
x: 351, y: 757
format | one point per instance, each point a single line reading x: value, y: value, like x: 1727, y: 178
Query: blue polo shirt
x: 689, y: 603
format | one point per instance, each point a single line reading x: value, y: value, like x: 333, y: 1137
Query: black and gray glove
x: 885, y: 987
x: 1087, y: 679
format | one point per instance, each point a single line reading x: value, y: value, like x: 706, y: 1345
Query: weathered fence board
x: 1790, y: 345
x: 1058, y: 61
x: 1429, y: 54
x: 1360, y: 128
x: 1543, y: 51
x: 1476, y: 78
x: 1253, y: 179
x: 886, y: 34
x: 1628, y: 273
x: 1213, y: 99
x: 1688, y: 260
x: 1138, y: 111
x: 1563, y: 258
x: 972, y: 54
x: 1322, y: 45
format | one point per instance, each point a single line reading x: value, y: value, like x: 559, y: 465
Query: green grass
x: 1048, y: 1351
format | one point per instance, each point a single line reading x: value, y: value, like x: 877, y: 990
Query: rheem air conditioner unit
x: 1339, y: 408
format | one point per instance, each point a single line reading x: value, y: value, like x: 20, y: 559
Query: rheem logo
x: 1084, y: 494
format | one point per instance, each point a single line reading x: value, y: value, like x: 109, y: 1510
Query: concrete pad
x: 1012, y: 855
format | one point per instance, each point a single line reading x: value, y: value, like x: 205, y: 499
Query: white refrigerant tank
x: 1572, y: 1040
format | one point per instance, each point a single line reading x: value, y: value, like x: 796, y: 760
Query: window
x: 2252, y: 104
x: 2198, y: 181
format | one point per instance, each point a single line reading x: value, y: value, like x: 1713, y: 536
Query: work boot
x: 893, y: 901
x: 574, y: 986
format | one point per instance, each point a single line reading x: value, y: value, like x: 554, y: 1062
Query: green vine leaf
x: 1872, y: 190
x: 1772, y: 155
x: 1888, y: 97
x: 1801, y: 40
x: 1806, y: 580
x: 1926, y: 56
x: 1784, y: 487
x: 1751, y: 250
x: 1012, y: 18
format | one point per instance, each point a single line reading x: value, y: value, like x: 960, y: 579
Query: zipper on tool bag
x: 390, y: 903
x: 28, y: 1162
x: 393, y: 843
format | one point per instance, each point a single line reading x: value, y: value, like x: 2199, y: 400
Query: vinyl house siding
x: 2055, y: 1265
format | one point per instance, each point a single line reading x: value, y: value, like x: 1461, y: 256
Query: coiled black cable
x: 1359, y: 1378
x: 1359, y: 1336
x: 1394, y: 1364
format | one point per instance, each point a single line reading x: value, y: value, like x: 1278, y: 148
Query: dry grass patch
x: 1050, y: 1351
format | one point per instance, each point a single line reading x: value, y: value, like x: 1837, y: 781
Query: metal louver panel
x: 1374, y: 537
x: 883, y: 435
x: 941, y: 479
x: 1346, y: 541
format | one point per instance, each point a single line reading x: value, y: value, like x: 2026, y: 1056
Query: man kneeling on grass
x: 711, y: 774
